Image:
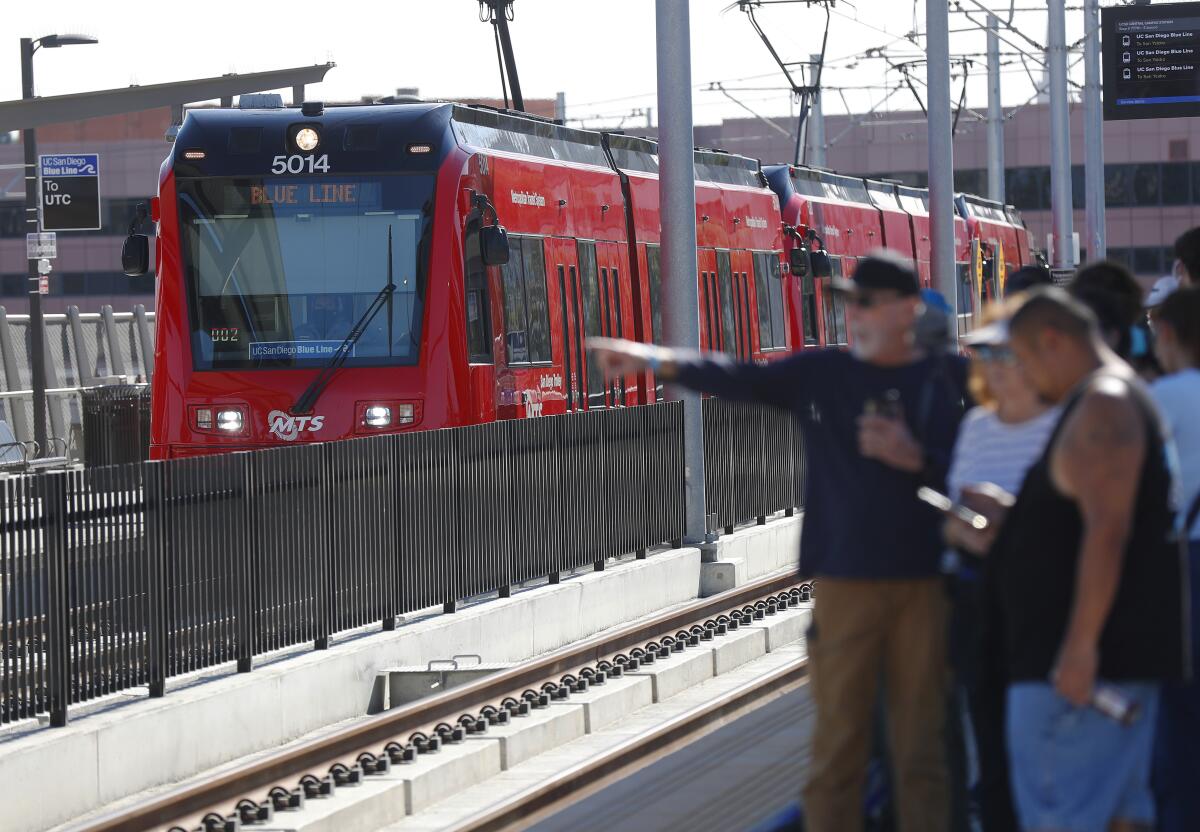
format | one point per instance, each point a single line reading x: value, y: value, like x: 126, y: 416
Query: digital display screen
x: 1151, y: 61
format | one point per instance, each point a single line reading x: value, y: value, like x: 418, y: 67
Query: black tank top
x: 1036, y: 554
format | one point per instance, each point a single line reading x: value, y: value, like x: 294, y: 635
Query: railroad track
x: 254, y: 793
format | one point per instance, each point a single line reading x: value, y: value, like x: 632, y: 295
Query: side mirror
x: 135, y: 255
x: 493, y: 245
x: 798, y: 261
x: 821, y: 266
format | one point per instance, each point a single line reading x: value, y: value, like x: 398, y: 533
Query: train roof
x: 818, y: 183
x: 376, y: 129
x: 367, y: 138
x: 984, y: 209
x: 635, y: 153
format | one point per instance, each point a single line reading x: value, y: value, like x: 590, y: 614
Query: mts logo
x: 287, y: 427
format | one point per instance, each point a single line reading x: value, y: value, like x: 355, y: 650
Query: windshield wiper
x: 308, y: 398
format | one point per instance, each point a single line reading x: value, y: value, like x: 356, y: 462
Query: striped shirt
x: 989, y: 450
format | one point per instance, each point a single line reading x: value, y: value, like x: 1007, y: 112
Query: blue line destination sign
x: 70, y: 189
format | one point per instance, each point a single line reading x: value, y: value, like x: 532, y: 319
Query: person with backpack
x: 1176, y: 323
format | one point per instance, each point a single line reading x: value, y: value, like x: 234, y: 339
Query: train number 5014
x: 300, y: 164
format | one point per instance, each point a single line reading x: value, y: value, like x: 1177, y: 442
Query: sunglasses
x: 994, y: 354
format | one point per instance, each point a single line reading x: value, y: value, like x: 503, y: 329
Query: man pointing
x: 879, y: 422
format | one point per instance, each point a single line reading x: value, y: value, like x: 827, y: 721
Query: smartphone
x: 943, y: 503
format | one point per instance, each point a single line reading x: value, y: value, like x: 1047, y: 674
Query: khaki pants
x: 865, y: 630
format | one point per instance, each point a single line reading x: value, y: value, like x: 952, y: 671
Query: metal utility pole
x: 1093, y: 133
x: 33, y: 224
x: 1060, y: 139
x: 560, y: 107
x: 37, y: 336
x: 941, y: 155
x: 677, y: 196
x: 816, y: 127
x: 995, y: 117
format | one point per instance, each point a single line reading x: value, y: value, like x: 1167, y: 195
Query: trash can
x: 116, y: 424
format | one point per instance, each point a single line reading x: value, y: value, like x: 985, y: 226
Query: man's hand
x: 621, y: 357
x: 889, y: 441
x: 1074, y: 673
x: 990, y: 500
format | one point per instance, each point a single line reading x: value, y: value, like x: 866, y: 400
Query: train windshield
x: 280, y: 270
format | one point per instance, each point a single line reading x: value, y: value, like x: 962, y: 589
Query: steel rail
x: 631, y: 754
x: 224, y: 790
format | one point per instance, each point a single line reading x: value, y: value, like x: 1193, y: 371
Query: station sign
x: 42, y: 245
x: 1150, y: 56
x: 70, y: 189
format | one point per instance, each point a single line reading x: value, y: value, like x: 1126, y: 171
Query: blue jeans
x: 1074, y: 769
x: 1177, y: 746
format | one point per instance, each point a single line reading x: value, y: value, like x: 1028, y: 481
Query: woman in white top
x: 997, y: 443
x: 1176, y: 323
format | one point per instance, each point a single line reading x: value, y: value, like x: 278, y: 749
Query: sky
x: 600, y: 54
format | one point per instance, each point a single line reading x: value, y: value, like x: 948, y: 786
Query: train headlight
x: 307, y: 139
x: 230, y: 421
x: 377, y: 416
x: 204, y: 418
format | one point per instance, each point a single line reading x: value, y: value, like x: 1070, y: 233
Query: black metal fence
x: 125, y: 575
x: 753, y: 463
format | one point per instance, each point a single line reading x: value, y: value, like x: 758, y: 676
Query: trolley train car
x: 325, y: 273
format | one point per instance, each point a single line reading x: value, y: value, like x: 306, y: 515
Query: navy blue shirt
x: 862, y: 518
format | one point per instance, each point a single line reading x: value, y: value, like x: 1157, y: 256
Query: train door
x: 569, y: 334
x: 483, y: 320
x: 595, y: 323
x: 710, y: 335
x: 613, y: 310
x: 528, y: 358
x: 744, y: 304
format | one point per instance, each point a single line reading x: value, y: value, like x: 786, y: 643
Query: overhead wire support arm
x: 804, y: 92
x: 499, y: 13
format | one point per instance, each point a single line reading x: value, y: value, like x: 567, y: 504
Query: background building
x: 1152, y: 184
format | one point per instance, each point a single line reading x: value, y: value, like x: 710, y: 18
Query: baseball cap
x: 1162, y: 287
x: 881, y: 269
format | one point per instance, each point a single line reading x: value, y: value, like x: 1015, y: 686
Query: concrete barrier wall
x: 114, y: 751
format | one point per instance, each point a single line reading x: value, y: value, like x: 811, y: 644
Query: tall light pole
x: 1093, y: 133
x: 995, y: 117
x: 677, y: 195
x: 37, y: 345
x: 941, y: 156
x: 1062, y: 218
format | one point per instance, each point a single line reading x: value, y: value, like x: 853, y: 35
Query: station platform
x: 737, y: 777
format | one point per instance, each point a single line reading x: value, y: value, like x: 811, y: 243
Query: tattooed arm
x: 1097, y: 460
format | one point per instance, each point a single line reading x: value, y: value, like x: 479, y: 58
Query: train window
x: 706, y: 310
x: 616, y: 284
x: 725, y: 292
x: 763, y: 295
x: 535, y: 298
x: 837, y: 333
x: 767, y: 282
x: 515, y: 318
x: 747, y: 346
x: 591, y: 320
x: 775, y: 285
x: 808, y: 305
x: 655, y: 273
x: 479, y: 323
